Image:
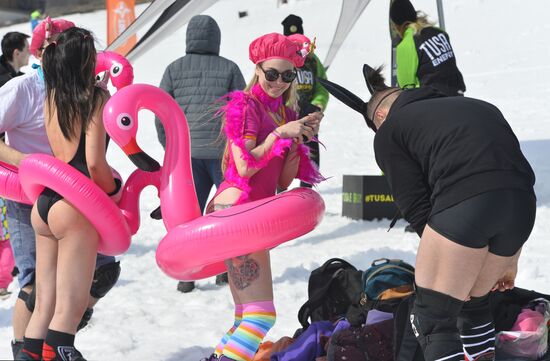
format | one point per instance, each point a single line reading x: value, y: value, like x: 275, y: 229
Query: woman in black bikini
x: 66, y: 242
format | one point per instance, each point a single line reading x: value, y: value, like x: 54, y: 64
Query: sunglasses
x: 287, y: 76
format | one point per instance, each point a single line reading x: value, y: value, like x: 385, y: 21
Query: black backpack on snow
x: 337, y: 289
x: 332, y: 289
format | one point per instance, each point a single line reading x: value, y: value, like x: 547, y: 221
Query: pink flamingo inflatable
x: 119, y: 69
x: 115, y: 224
x: 196, y: 246
x: 121, y: 74
x: 176, y: 179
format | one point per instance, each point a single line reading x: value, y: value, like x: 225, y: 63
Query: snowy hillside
x: 501, y: 48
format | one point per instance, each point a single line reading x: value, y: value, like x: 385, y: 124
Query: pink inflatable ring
x: 40, y: 170
x: 10, y: 187
x: 197, y: 249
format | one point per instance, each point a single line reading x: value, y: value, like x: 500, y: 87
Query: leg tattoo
x: 243, y: 271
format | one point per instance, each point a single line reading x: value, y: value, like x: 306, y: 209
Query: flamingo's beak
x: 141, y: 159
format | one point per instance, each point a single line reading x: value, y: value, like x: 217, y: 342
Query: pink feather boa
x: 238, y: 103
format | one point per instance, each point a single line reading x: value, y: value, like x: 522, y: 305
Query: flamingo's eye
x: 124, y: 121
x: 116, y: 69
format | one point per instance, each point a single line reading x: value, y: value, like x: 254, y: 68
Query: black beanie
x: 402, y: 11
x: 292, y: 24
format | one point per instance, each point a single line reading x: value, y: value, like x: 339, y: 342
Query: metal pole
x: 395, y: 40
x: 440, y: 14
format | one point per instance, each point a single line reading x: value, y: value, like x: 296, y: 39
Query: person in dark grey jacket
x: 196, y: 81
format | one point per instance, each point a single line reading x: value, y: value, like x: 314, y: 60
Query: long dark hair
x: 69, y: 73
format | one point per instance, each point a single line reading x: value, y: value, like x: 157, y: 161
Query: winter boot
x: 59, y: 346
x: 64, y: 353
x: 212, y: 357
x: 16, y: 347
x: 222, y: 279
x: 85, y: 319
x: 186, y: 287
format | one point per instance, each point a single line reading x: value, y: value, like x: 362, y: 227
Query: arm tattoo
x: 243, y: 271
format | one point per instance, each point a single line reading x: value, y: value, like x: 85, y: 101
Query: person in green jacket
x: 424, y: 57
x: 312, y: 97
x: 36, y: 18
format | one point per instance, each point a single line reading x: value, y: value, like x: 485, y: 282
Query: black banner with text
x: 367, y: 197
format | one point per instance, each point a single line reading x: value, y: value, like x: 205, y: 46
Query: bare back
x: 62, y: 148
x: 93, y: 162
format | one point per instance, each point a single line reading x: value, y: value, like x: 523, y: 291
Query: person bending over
x: 457, y: 174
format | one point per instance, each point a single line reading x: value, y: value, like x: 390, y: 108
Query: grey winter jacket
x: 196, y: 81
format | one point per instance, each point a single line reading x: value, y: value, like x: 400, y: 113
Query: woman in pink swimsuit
x: 264, y: 152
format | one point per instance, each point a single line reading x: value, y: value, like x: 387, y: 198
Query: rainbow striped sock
x: 258, y: 318
x: 237, y: 322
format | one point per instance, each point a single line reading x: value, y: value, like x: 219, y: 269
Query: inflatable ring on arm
x: 10, y: 186
x: 40, y: 170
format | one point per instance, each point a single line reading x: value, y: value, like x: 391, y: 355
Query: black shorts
x: 501, y: 219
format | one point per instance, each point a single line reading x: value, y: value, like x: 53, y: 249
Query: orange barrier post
x: 120, y: 14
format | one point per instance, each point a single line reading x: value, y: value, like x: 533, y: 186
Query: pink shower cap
x: 275, y: 46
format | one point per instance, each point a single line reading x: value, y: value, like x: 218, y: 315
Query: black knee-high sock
x: 33, y: 347
x: 58, y: 346
x: 434, y: 323
x: 477, y: 329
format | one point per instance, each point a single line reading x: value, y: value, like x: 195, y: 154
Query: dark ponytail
x: 380, y: 91
x: 69, y: 72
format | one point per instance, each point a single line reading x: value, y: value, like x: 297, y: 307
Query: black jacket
x: 428, y: 59
x: 6, y: 71
x: 438, y: 71
x: 437, y: 151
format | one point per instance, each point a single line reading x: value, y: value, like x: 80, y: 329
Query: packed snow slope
x: 501, y: 48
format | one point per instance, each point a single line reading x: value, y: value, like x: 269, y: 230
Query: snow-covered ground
x: 501, y: 48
